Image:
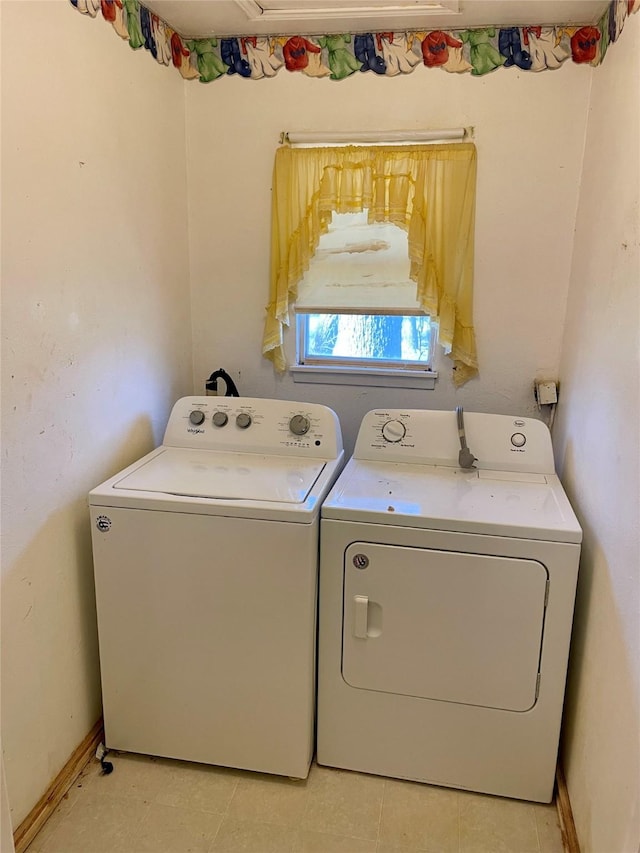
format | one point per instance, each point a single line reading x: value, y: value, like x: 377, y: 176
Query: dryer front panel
x: 444, y: 625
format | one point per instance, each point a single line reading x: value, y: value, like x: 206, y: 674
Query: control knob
x: 394, y: 431
x: 518, y: 439
x: 243, y: 420
x: 220, y: 419
x: 196, y: 417
x: 299, y: 425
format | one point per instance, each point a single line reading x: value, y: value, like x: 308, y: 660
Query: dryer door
x: 443, y: 625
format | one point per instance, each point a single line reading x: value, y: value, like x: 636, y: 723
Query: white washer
x: 446, y: 604
x: 206, y: 559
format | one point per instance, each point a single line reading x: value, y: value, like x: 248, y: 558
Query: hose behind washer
x: 211, y: 384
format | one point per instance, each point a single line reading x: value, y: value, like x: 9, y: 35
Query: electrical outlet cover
x: 547, y: 393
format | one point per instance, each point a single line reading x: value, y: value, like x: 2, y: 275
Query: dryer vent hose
x: 212, y: 384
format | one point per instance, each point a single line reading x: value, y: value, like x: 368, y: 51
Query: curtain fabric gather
x: 428, y: 190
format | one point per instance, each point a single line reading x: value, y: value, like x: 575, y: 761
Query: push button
x: 518, y: 439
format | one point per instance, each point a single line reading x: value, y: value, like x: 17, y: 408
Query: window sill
x: 369, y: 376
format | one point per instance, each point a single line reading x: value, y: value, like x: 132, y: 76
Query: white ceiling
x: 200, y: 18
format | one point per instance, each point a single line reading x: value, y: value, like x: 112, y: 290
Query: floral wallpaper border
x: 477, y: 51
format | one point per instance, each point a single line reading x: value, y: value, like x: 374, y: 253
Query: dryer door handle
x: 360, y: 616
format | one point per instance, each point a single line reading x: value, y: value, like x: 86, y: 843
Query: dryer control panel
x: 417, y: 436
x: 254, y: 425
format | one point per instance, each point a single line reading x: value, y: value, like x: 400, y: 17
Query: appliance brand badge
x: 518, y: 423
x: 103, y: 523
x: 361, y: 561
x: 194, y: 430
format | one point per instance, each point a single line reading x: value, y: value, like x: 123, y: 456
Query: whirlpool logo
x: 103, y: 523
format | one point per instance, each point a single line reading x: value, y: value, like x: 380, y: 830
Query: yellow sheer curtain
x: 429, y: 190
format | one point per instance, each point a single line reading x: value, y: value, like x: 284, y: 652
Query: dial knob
x: 299, y: 425
x: 196, y: 417
x: 394, y: 431
x: 243, y: 420
x: 220, y: 419
x: 518, y: 439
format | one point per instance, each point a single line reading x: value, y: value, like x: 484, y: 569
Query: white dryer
x: 206, y: 559
x: 446, y: 605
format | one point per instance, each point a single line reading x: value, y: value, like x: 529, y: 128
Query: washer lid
x: 230, y: 476
x: 496, y: 503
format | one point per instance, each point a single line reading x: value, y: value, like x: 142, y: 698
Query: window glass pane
x: 367, y: 337
x: 359, y: 267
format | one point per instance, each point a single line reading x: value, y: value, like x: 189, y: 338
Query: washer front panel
x: 207, y: 637
x: 443, y: 625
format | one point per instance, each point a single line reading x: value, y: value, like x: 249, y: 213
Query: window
x: 370, y: 340
x: 427, y: 191
x: 356, y: 308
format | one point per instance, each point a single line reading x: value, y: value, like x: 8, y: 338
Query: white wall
x: 597, y: 443
x: 96, y: 334
x: 530, y: 136
x: 96, y: 344
x: 6, y: 829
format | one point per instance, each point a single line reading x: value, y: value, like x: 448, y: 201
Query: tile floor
x: 151, y: 805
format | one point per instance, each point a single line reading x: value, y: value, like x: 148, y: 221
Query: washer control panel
x: 255, y: 425
x: 500, y: 442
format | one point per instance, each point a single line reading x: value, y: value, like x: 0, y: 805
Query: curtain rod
x: 373, y: 136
